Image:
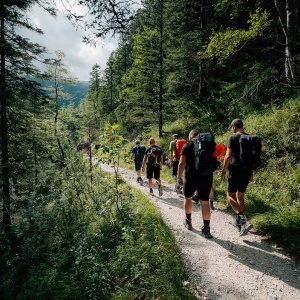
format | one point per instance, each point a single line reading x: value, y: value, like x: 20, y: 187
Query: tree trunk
x: 4, y: 131
x: 287, y: 21
x: 160, y: 131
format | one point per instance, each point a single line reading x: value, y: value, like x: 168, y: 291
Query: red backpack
x: 179, y: 145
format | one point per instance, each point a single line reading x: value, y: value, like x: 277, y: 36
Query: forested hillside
x: 200, y: 63
x: 76, y: 91
x: 71, y: 231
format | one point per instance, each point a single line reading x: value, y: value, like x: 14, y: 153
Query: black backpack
x: 204, y: 146
x: 250, y: 152
x: 154, y: 156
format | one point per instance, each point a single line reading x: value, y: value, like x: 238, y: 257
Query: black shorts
x: 138, y: 165
x: 153, y: 171
x: 237, y: 180
x: 175, y: 167
x: 201, y: 184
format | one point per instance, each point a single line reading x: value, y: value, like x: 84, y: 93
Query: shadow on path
x: 257, y: 257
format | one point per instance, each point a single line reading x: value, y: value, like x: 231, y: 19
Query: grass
x: 108, y: 245
x: 148, y: 263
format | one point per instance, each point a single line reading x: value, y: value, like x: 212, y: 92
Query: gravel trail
x: 228, y: 266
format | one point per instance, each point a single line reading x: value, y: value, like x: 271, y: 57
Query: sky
x: 60, y: 34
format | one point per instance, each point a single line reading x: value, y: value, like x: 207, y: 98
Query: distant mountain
x: 77, y: 91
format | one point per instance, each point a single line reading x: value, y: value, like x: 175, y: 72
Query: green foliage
x: 110, y: 145
x: 150, y: 267
x: 78, y: 231
x: 226, y: 42
x: 89, y: 240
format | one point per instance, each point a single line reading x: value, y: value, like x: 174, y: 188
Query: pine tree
x: 20, y: 96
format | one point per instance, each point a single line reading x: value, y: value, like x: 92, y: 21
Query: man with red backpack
x: 175, y: 149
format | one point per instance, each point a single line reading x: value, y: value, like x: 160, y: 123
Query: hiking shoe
x: 245, y: 227
x: 179, y: 190
x: 141, y: 181
x: 237, y: 224
x: 160, y: 191
x: 187, y: 224
x: 151, y: 192
x: 206, y: 232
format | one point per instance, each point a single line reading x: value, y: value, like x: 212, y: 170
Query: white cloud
x: 60, y: 34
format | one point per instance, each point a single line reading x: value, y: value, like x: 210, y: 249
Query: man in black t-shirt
x: 237, y: 178
x: 154, y: 159
x: 193, y: 182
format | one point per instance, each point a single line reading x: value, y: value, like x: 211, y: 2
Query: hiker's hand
x: 180, y: 181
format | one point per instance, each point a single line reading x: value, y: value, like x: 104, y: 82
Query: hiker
x: 174, y: 156
x: 237, y: 178
x: 220, y: 150
x: 153, y: 158
x: 137, y: 155
x: 202, y: 183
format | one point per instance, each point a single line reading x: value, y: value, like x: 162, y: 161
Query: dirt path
x: 228, y: 266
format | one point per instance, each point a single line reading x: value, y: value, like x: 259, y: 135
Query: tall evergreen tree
x: 17, y: 55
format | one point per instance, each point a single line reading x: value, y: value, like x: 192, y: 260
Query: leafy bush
x: 86, y: 235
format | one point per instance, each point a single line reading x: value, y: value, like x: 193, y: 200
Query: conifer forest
x: 179, y: 65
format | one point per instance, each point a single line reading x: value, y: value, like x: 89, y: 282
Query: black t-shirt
x: 188, y: 151
x: 234, y: 144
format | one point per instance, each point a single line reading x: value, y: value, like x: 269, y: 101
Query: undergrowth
x: 87, y: 240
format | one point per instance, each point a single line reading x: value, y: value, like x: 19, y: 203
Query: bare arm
x: 132, y: 156
x: 170, y: 155
x: 181, y: 165
x: 226, y: 162
x: 171, y: 158
x: 144, y: 162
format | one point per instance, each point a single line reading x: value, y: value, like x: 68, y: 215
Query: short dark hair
x: 236, y: 122
x: 194, y: 133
